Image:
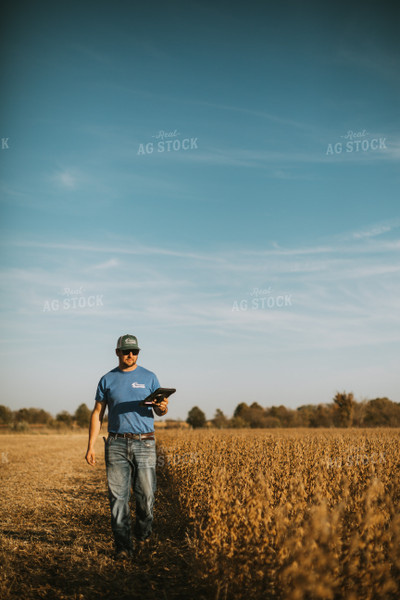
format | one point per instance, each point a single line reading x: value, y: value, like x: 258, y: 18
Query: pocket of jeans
x: 148, y: 443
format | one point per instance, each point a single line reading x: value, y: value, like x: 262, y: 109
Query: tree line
x: 24, y: 418
x: 343, y: 411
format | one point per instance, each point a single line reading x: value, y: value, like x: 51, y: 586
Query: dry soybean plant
x: 291, y: 514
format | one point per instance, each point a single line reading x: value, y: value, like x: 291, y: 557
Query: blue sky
x: 219, y: 179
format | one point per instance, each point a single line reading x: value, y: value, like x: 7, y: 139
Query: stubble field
x: 283, y: 514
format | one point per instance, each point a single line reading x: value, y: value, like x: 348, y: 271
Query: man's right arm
x: 96, y: 421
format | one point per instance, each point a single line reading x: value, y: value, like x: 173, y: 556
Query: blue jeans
x: 130, y: 464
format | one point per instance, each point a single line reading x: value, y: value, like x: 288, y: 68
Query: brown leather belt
x: 133, y: 436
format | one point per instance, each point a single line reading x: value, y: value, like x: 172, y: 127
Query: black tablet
x: 158, y: 396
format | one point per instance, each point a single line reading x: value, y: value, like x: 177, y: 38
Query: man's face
x: 127, y: 358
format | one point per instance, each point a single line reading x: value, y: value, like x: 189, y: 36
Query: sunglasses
x: 134, y: 352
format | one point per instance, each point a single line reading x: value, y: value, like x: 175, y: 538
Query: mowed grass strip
x: 55, y: 539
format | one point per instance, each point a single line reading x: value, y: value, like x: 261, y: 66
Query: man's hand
x: 90, y: 457
x: 96, y: 420
x: 161, y: 408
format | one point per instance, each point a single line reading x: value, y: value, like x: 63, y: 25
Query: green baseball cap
x: 127, y: 342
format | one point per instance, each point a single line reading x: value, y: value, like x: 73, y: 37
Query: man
x: 130, y: 450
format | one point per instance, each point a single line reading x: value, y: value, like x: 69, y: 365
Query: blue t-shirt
x: 123, y: 391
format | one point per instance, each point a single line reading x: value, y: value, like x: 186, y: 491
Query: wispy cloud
x: 108, y: 264
x: 66, y: 178
x: 371, y: 58
x: 332, y: 287
x: 258, y: 113
x: 374, y: 232
x: 134, y: 249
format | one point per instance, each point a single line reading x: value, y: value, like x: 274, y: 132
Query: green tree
x: 65, y: 418
x: 344, y: 409
x: 220, y: 421
x: 82, y: 416
x: 382, y: 412
x: 252, y: 415
x: 33, y: 416
x: 324, y: 415
x: 270, y: 422
x: 196, y: 417
x: 359, y: 413
x: 241, y: 409
x: 6, y: 415
x: 285, y: 416
x: 307, y: 416
x: 239, y: 423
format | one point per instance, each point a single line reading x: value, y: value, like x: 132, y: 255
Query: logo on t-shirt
x: 135, y: 384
